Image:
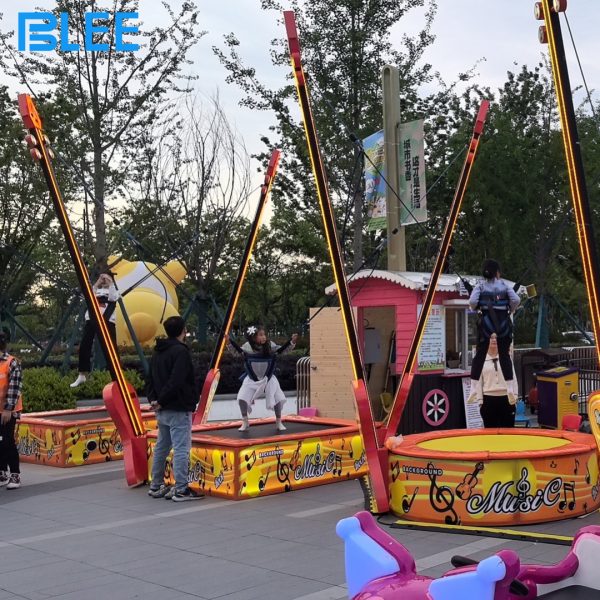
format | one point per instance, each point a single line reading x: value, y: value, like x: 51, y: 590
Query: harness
x: 250, y: 359
x: 495, y: 311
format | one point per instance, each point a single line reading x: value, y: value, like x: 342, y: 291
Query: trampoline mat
x: 84, y: 416
x: 267, y: 430
x: 573, y: 592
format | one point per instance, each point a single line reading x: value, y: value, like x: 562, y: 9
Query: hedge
x: 44, y: 388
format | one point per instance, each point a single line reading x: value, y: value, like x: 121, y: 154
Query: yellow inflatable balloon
x: 150, y: 302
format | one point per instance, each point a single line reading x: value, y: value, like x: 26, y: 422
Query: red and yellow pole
x: 401, y: 396
x: 212, y: 377
x: 376, y: 456
x: 119, y: 396
x: 551, y: 34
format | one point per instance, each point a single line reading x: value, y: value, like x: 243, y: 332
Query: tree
x: 344, y: 45
x: 518, y: 203
x: 26, y: 215
x: 194, y: 172
x: 118, y: 95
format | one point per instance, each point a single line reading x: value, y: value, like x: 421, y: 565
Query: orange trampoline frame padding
x: 493, y: 477
x: 568, y: 443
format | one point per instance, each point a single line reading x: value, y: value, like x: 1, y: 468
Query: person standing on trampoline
x: 260, y: 356
x: 492, y: 391
x: 495, y: 300
x: 107, y: 295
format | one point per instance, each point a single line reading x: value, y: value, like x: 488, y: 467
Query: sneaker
x: 170, y: 492
x: 3, y: 478
x: 14, y: 481
x: 186, y: 494
x: 80, y: 379
x: 245, y: 425
x: 280, y: 426
x: 160, y: 492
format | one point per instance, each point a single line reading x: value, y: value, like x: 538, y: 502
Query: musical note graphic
x: 567, y: 487
x: 395, y: 470
x: 465, y: 489
x: 337, y: 470
x: 103, y: 445
x: 588, y: 476
x: 250, y: 459
x: 576, y: 467
x: 406, y: 504
x: 441, y: 498
x: 553, y: 465
x: 283, y: 473
x: 224, y: 461
x: 202, y: 477
x: 262, y: 482
x: 75, y: 436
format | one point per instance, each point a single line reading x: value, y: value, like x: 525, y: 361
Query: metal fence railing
x: 303, y: 382
x: 589, y: 381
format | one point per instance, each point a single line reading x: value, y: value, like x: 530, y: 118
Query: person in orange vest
x: 11, y: 404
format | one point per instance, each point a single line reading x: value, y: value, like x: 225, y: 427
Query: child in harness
x: 260, y: 356
x: 495, y: 301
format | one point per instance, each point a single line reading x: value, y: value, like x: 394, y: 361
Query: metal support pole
x: 396, y: 254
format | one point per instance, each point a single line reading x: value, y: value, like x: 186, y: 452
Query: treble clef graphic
x: 283, y: 472
x: 441, y: 498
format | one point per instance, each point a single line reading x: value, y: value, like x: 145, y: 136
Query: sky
x: 494, y: 35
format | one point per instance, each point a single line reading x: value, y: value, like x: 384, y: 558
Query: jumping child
x: 495, y: 300
x: 260, y: 355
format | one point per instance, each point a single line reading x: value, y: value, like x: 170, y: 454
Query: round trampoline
x: 494, y: 476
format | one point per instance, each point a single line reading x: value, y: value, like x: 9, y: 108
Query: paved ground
x: 81, y: 534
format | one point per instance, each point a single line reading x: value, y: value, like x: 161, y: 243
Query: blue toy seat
x: 521, y: 419
x: 365, y: 559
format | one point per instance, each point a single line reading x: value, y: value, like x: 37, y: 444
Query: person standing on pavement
x: 172, y: 393
x: 11, y: 405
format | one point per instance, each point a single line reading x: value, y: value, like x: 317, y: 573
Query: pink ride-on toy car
x: 380, y: 568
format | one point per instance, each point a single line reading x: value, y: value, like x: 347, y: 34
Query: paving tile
x: 282, y: 547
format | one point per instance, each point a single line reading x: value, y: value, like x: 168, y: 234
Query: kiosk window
x: 461, y: 337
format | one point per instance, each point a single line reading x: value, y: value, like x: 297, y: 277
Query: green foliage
x: 97, y: 380
x: 345, y: 43
x: 45, y: 389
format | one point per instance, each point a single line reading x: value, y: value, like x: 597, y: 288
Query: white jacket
x: 491, y: 382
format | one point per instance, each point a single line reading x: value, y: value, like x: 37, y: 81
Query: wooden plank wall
x: 331, y: 371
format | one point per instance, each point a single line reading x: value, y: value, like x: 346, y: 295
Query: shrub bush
x: 45, y: 389
x: 96, y: 381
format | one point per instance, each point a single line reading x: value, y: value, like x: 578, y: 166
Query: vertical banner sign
x: 374, y: 148
x: 411, y: 155
x: 432, y: 351
x: 472, y: 409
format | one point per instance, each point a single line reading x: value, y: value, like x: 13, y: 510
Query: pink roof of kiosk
x: 417, y: 281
